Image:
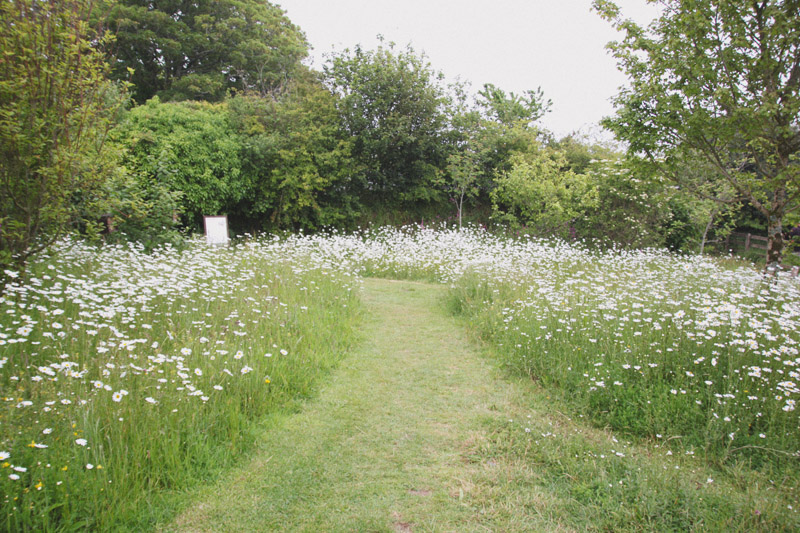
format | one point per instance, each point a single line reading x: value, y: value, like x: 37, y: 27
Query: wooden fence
x: 746, y: 240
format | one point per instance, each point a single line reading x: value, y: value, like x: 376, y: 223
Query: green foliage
x: 499, y: 143
x: 486, y: 136
x: 141, y: 211
x: 581, y: 153
x: 539, y: 192
x: 55, y: 110
x: 268, y: 162
x: 679, y: 228
x: 295, y: 156
x: 629, y: 210
x: 501, y: 126
x: 715, y: 84
x: 511, y: 109
x: 198, y: 50
x: 189, y: 148
x: 394, y: 107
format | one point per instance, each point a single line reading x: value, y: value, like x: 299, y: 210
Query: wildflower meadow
x: 126, y: 374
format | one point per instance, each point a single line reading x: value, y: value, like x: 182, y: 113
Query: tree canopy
x: 509, y: 109
x: 189, y: 147
x: 199, y: 49
x: 227, y: 120
x: 394, y: 106
x: 295, y: 157
x: 714, y: 84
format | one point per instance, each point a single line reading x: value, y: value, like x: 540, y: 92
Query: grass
x: 595, y: 480
x: 701, y: 356
x: 639, y: 390
x: 420, y: 431
x: 382, y: 448
x: 126, y: 376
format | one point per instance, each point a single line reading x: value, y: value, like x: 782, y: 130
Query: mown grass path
x: 389, y: 443
x: 416, y: 431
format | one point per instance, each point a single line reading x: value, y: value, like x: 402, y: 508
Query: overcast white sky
x: 557, y: 45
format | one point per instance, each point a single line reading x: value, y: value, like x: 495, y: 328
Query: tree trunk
x: 775, y: 244
x: 460, y: 208
x: 708, y: 228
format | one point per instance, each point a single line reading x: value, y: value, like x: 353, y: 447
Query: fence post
x: 747, y: 243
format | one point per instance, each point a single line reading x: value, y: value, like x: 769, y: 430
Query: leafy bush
x: 540, y: 193
x: 189, y: 148
x: 143, y: 212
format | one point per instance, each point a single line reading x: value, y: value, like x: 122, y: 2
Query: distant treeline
x: 145, y: 116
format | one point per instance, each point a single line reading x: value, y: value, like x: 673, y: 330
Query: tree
x: 394, y: 107
x: 463, y: 177
x: 296, y: 157
x: 715, y: 83
x: 56, y: 108
x: 512, y: 108
x: 188, y: 147
x: 462, y: 170
x: 539, y: 191
x: 199, y: 49
x: 506, y: 128
x: 485, y: 139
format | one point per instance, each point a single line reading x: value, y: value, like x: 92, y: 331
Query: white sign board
x: 216, y: 229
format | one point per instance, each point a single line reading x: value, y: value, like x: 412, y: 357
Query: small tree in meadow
x: 462, y: 167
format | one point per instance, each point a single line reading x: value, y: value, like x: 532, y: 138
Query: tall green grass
x: 690, y: 351
x: 665, y: 348
x: 126, y: 375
